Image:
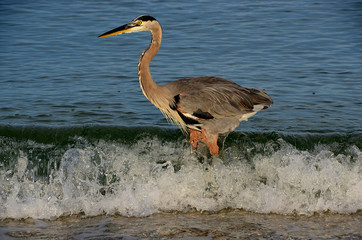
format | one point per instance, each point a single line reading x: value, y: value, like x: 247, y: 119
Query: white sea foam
x: 151, y: 177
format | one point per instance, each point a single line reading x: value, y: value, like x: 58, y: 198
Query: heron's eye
x: 139, y: 22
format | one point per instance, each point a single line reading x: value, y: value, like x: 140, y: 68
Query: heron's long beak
x: 119, y: 30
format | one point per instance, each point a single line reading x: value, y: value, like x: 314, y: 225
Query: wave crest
x: 150, y: 173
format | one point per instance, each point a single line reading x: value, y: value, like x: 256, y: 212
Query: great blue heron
x: 203, y: 106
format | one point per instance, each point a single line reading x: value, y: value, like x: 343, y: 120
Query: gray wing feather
x: 217, y: 97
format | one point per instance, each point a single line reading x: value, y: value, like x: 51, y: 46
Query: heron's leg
x: 194, y: 138
x: 222, y: 139
x: 211, y: 142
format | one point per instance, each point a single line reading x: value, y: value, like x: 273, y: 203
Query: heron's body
x: 205, y: 106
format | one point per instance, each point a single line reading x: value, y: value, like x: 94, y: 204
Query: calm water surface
x: 306, y: 54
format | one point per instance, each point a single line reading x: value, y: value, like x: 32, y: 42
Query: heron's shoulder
x: 205, y: 80
x: 195, y: 83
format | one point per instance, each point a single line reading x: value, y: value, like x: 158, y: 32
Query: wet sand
x: 220, y: 225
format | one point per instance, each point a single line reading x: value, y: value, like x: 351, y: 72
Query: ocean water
x: 78, y: 137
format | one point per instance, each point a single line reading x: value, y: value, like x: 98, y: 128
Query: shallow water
x: 207, y: 225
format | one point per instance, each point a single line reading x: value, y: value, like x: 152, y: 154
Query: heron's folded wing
x: 221, y: 101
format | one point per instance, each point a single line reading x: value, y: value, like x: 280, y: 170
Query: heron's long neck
x: 158, y: 95
x: 150, y: 89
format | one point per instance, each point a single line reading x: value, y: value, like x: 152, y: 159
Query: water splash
x: 154, y: 174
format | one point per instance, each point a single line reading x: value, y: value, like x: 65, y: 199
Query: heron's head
x: 141, y: 23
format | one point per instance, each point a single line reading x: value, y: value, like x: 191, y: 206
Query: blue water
x: 307, y: 55
x: 69, y: 100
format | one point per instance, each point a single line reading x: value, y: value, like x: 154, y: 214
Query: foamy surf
x: 153, y: 174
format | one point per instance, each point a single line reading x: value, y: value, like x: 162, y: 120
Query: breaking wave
x: 51, y: 172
